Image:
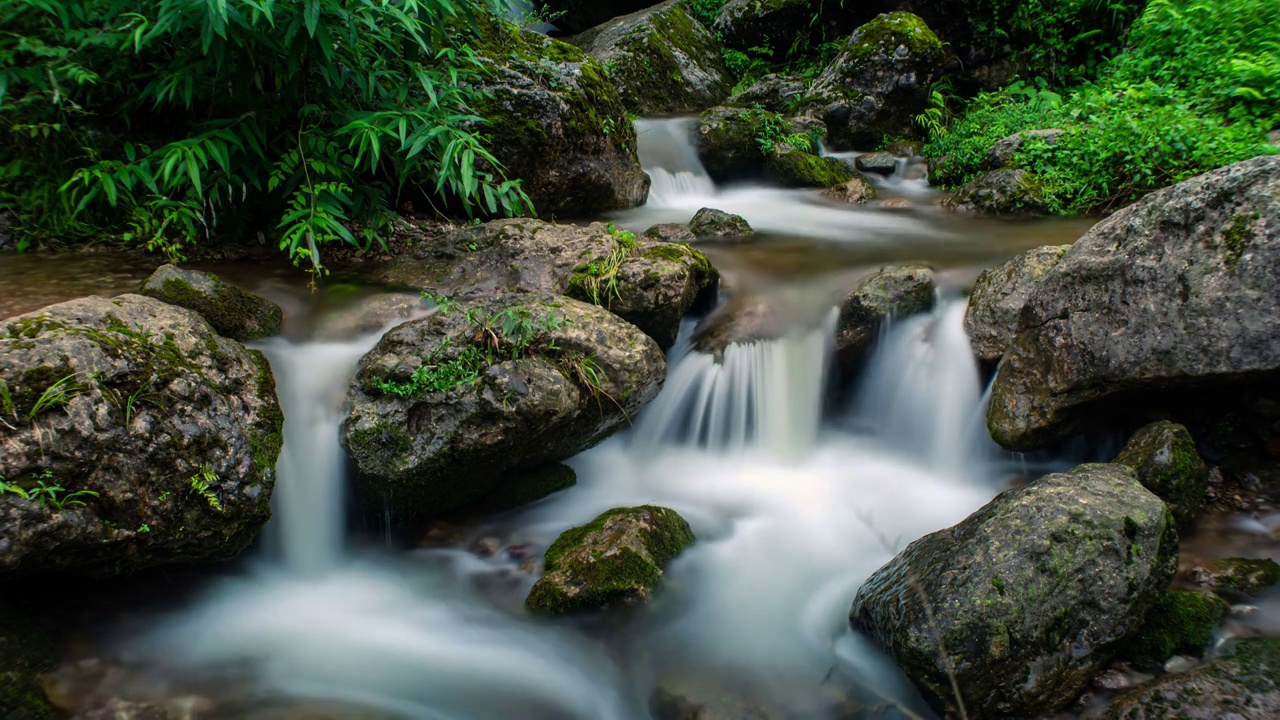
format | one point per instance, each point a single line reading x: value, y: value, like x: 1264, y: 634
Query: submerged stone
x: 1249, y: 577
x: 616, y: 559
x: 712, y: 223
x: 1027, y: 599
x: 1244, y: 684
x: 231, y: 311
x: 855, y: 192
x: 1164, y: 457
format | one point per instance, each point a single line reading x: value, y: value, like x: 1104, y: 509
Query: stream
x: 794, y: 501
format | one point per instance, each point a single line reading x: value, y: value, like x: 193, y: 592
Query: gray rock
x: 231, y: 311
x: 670, y: 232
x: 892, y: 293
x: 1180, y: 291
x: 1030, y: 596
x: 660, y: 59
x: 744, y: 24
x: 727, y: 143
x: 772, y: 92
x: 578, y: 15
x: 445, y: 407
x: 1242, y: 685
x: 1001, y: 154
x: 163, y: 434
x: 879, y: 83
x: 648, y: 282
x: 855, y: 191
x: 882, y: 163
x: 712, y: 223
x: 1164, y: 457
x: 557, y: 123
x: 616, y: 559
x: 999, y: 192
x: 998, y: 296
x: 739, y: 323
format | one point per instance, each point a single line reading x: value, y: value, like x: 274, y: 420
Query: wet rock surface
x: 1180, y: 623
x: 1030, y: 596
x: 1242, y: 685
x: 999, y: 192
x: 616, y: 559
x: 798, y: 169
x: 231, y: 311
x: 712, y: 223
x: 1165, y: 458
x: 892, y: 293
x: 134, y: 435
x: 881, y: 163
x: 1175, y: 294
x: 855, y: 192
x: 999, y: 295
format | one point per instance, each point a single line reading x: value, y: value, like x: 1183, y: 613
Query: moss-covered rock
x: 775, y: 24
x: 799, y: 169
x: 616, y: 559
x: 879, y: 83
x: 728, y: 143
x: 660, y: 59
x: 999, y: 295
x: 1248, y: 577
x: 446, y: 408
x: 712, y: 223
x: 773, y: 92
x: 556, y: 122
x: 24, y: 653
x: 231, y: 311
x: 670, y: 232
x: 999, y: 192
x: 889, y: 294
x: 163, y: 434
x: 1243, y: 684
x: 855, y: 191
x: 1164, y: 457
x: 1030, y: 596
x: 1181, y: 623
x: 577, y: 15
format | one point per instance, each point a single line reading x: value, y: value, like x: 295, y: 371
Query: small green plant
x: 440, y: 374
x: 201, y: 484
x: 59, y: 394
x: 45, y: 494
x: 8, y: 413
x: 774, y: 132
x: 144, y: 528
x: 444, y: 304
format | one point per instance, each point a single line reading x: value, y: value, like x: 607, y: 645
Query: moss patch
x: 1236, y: 238
x: 1181, y: 623
x: 885, y: 33
x: 795, y: 168
x: 1244, y: 576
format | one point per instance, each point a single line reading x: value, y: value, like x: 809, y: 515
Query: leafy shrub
x: 705, y: 11
x: 172, y: 121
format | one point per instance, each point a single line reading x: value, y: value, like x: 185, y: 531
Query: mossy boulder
x: 712, y: 223
x: 1164, y: 457
x: 1029, y: 597
x: 855, y: 191
x: 892, y: 293
x: 1173, y: 296
x: 991, y: 319
x: 447, y: 408
x: 1181, y: 623
x: 670, y: 232
x: 162, y: 433
x: 727, y: 143
x: 881, y: 163
x: 773, y: 92
x: 776, y: 24
x: 799, y: 169
x: 660, y: 59
x: 574, y: 16
x: 25, y: 652
x: 1244, y: 577
x: 616, y: 559
x: 648, y: 282
x: 231, y: 311
x: 1243, y: 684
x: 556, y: 122
x: 878, y: 83
x: 999, y: 192
x: 1005, y: 150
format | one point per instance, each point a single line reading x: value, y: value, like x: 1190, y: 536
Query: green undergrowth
x: 1197, y: 88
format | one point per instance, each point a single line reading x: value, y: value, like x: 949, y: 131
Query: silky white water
x: 793, y: 509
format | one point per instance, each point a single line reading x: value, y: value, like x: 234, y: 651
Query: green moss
x: 885, y: 33
x: 1245, y: 576
x: 385, y: 445
x: 679, y: 253
x: 801, y: 169
x: 1180, y: 623
x: 1236, y: 238
x: 231, y: 311
x: 1164, y: 458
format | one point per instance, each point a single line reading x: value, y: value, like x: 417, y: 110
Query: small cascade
x: 308, y: 501
x: 922, y: 391
x: 667, y: 153
x: 765, y: 395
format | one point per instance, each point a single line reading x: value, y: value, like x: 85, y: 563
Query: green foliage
x: 44, y: 494
x: 1128, y: 135
x: 174, y: 121
x: 705, y: 11
x: 57, y: 395
x: 201, y: 484
x: 440, y: 374
x: 775, y: 131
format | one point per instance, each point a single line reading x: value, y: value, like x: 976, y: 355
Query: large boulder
x: 577, y: 15
x: 1244, y: 684
x: 1177, y: 293
x: 879, y: 83
x: 660, y: 59
x: 747, y: 24
x: 132, y: 435
x: 231, y: 311
x: 1164, y: 457
x: 991, y: 319
x: 445, y: 407
x: 1024, y: 601
x: 798, y: 169
x: 999, y: 192
x: 646, y: 281
x: 616, y: 559
x: 556, y: 122
x: 892, y: 293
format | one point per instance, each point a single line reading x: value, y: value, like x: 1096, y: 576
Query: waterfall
x: 668, y: 154
x: 764, y: 394
x: 922, y: 391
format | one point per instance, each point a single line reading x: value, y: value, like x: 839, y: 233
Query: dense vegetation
x: 1197, y: 87
x: 173, y: 121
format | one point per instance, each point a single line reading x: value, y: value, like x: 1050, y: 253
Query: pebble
x: 1112, y: 680
x: 1178, y: 663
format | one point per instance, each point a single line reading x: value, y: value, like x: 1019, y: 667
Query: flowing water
x: 794, y: 504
